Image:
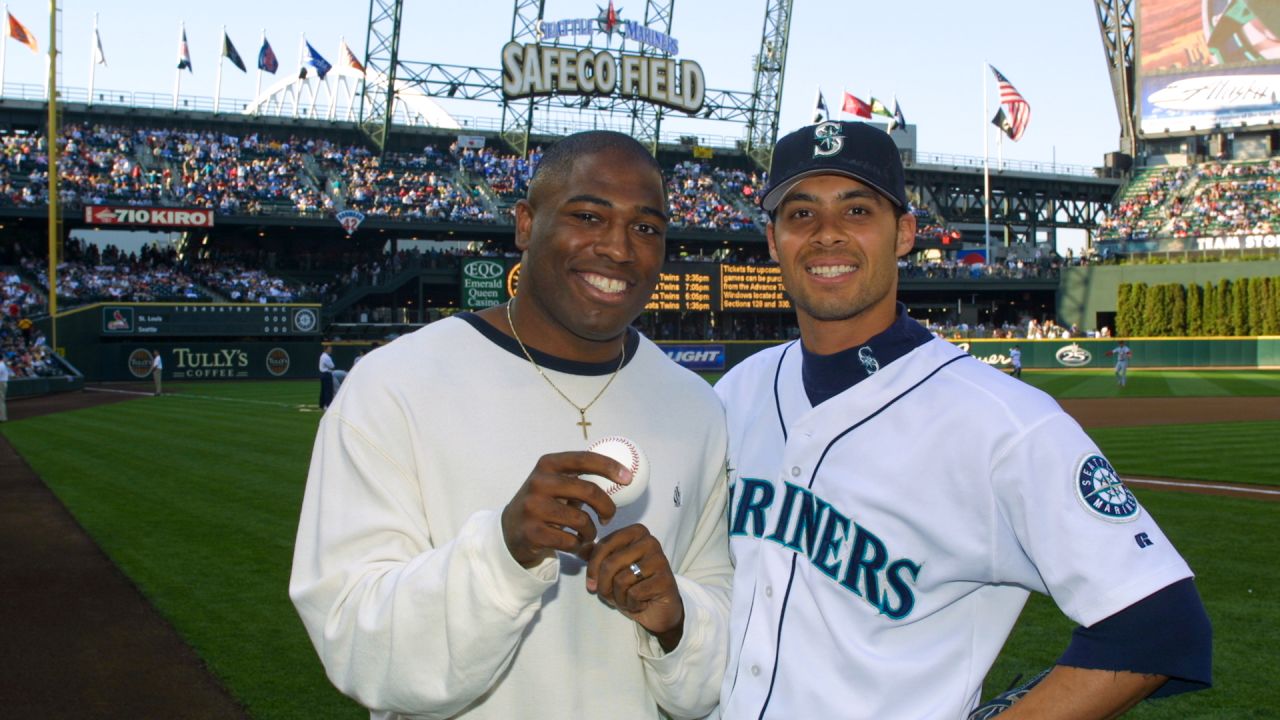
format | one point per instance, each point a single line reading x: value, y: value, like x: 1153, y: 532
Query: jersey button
x: 795, y: 471
x: 768, y: 591
x: 755, y: 669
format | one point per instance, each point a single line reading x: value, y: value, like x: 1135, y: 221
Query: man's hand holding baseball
x: 629, y: 571
x: 546, y: 513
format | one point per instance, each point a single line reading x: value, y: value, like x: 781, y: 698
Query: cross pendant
x: 583, y: 422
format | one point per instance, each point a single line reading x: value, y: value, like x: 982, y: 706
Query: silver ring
x: 635, y: 570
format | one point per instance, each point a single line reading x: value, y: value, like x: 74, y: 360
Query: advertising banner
x: 483, y: 283
x: 1207, y: 63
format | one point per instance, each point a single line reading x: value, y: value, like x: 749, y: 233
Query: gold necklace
x: 582, y: 411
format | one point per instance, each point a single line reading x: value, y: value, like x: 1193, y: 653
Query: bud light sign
x: 697, y: 357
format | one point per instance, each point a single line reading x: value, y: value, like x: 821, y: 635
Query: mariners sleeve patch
x: 1102, y: 493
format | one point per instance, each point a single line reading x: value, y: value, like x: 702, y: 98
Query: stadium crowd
x: 1209, y: 198
x: 22, y: 345
x: 255, y: 174
x: 88, y: 274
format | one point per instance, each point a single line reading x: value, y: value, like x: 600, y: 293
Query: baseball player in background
x: 1122, y: 353
x: 1015, y: 359
x: 157, y: 369
x: 326, y: 368
x: 894, y: 500
x: 4, y: 387
x: 449, y: 562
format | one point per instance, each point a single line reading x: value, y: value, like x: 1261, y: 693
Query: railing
x: 557, y: 125
x: 997, y: 165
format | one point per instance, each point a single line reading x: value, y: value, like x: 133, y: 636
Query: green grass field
x: 196, y: 495
x: 1151, y: 383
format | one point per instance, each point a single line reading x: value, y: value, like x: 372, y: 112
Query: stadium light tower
x: 1115, y: 20
x: 546, y: 114
x: 766, y: 100
x: 381, y: 56
x: 646, y: 118
x: 524, y: 28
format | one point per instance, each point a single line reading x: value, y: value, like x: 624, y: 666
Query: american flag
x: 1019, y: 112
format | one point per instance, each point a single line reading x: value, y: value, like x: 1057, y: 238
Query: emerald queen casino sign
x: 538, y: 70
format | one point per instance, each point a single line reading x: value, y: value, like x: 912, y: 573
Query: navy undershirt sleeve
x: 1167, y: 633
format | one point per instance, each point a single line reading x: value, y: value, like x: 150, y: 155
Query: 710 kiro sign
x: 148, y: 216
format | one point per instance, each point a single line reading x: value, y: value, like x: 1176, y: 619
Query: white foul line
x: 1182, y: 484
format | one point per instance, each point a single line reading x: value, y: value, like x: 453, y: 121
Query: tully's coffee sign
x: 140, y: 363
x: 278, y: 361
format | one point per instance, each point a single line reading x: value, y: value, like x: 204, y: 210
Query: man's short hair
x: 557, y: 161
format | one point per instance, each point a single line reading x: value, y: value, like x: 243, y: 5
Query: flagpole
x: 217, y: 87
x: 315, y: 94
x: 341, y: 81
x: 177, y: 74
x: 257, y: 93
x: 999, y: 151
x: 297, y: 101
x: 93, y: 57
x: 4, y: 47
x: 336, y: 86
x: 51, y: 150
x: 986, y: 170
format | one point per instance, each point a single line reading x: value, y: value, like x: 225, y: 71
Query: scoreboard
x: 752, y: 287
x: 685, y: 287
x: 210, y: 320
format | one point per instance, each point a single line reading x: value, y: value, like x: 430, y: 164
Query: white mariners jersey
x: 1015, y: 356
x: 1122, y: 353
x: 885, y: 541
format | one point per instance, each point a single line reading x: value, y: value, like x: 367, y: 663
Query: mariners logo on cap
x: 827, y: 139
x: 1103, y: 494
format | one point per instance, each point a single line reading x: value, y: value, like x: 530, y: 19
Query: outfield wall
x: 1188, y: 353
x: 1087, y: 290
x: 197, y: 341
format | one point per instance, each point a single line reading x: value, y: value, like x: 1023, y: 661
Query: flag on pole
x: 348, y: 58
x: 19, y: 32
x: 880, y: 108
x: 854, y: 106
x: 231, y: 53
x: 267, y: 58
x: 314, y: 59
x: 1019, y: 111
x: 184, y: 54
x: 820, y: 109
x: 899, y: 121
x: 1003, y: 122
x: 99, y: 57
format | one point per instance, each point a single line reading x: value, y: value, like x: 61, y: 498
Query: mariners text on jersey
x: 811, y: 527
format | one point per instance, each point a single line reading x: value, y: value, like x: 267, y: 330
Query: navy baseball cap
x: 852, y: 149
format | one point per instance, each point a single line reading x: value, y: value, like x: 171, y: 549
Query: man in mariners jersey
x: 877, y: 576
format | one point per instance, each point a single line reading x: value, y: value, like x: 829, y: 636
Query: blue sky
x: 930, y: 53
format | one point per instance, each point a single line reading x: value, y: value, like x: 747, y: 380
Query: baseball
x: 631, y: 457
